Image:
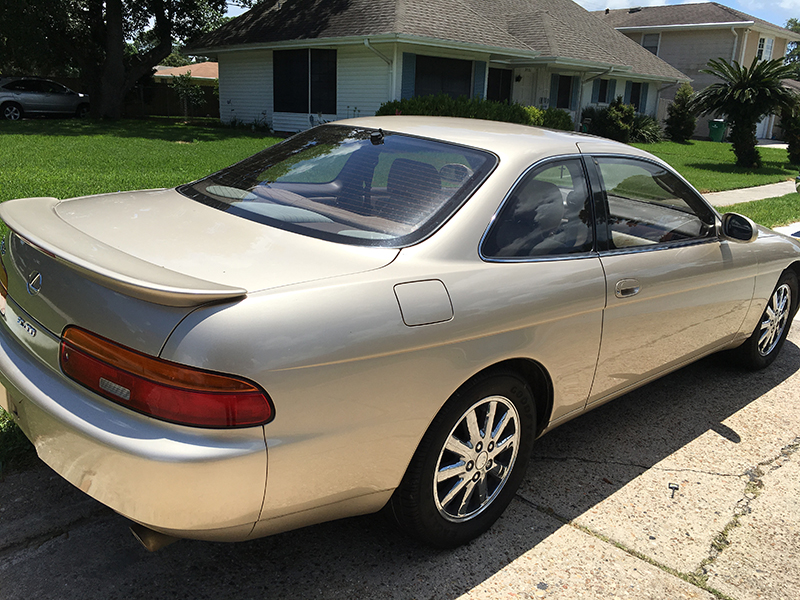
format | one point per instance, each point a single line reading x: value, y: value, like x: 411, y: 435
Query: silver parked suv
x: 30, y: 95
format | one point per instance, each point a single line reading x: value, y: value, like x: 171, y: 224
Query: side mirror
x: 738, y: 228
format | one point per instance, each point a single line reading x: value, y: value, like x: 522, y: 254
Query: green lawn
x: 65, y: 158
x: 771, y: 212
x: 711, y: 166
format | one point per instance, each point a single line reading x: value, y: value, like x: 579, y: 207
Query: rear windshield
x: 349, y: 185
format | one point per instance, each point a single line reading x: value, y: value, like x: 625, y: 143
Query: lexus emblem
x: 35, y: 283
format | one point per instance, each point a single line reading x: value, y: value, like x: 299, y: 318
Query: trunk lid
x: 130, y: 266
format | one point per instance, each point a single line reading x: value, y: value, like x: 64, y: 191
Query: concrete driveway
x: 595, y: 517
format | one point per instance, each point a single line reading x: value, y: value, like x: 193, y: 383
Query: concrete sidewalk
x: 749, y: 194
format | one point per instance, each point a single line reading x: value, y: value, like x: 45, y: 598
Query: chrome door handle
x: 626, y: 288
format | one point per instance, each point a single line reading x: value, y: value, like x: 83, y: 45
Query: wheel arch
x: 795, y: 268
x: 534, y: 374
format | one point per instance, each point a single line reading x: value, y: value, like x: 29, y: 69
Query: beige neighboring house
x: 296, y: 62
x: 203, y: 73
x: 687, y: 36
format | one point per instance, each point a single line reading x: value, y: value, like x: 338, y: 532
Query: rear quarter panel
x: 354, y: 388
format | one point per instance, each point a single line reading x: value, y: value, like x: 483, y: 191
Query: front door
x: 674, y: 290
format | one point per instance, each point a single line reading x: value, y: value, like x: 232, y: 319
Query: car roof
x: 503, y: 139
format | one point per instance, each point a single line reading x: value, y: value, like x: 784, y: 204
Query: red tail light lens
x: 160, y: 388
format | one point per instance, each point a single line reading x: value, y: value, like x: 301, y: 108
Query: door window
x: 649, y: 205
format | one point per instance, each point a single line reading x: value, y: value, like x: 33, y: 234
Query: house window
x: 304, y: 81
x: 499, y: 85
x: 435, y: 75
x: 636, y: 94
x: 765, y: 48
x: 603, y: 91
x: 564, y: 95
x: 650, y: 42
x: 564, y: 91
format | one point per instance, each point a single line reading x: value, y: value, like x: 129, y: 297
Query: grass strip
x: 770, y: 212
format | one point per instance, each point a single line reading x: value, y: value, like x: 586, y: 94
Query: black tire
x: 12, y: 111
x: 767, y: 339
x: 478, y: 478
x: 82, y: 111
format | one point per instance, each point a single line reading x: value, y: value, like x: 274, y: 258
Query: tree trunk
x: 109, y: 104
x: 743, y: 138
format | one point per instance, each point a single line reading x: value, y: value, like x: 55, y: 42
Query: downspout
x: 735, y: 43
x: 593, y: 77
x: 744, y: 46
x: 578, y: 112
x: 388, y: 61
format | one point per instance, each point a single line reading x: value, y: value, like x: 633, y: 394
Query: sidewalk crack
x: 752, y: 490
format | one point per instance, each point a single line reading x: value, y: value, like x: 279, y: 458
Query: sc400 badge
x: 26, y: 326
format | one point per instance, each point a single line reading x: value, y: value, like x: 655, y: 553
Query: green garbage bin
x: 716, y: 130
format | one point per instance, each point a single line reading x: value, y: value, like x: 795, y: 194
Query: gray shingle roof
x: 551, y: 28
x: 277, y: 21
x: 562, y: 28
x: 682, y: 14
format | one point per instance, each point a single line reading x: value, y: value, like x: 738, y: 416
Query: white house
x: 292, y: 62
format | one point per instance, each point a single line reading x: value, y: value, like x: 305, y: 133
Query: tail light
x: 159, y: 388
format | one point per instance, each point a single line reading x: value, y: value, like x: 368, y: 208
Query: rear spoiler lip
x: 105, y: 264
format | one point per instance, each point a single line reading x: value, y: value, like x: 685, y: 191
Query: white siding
x: 294, y: 122
x: 364, y: 80
x: 245, y: 87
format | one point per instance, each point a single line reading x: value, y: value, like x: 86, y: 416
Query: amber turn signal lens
x: 159, y: 388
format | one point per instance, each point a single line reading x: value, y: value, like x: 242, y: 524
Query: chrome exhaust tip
x: 151, y: 540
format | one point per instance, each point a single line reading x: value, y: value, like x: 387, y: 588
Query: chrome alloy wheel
x: 477, y: 459
x: 774, y: 320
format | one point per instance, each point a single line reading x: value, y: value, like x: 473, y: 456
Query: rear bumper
x: 188, y: 482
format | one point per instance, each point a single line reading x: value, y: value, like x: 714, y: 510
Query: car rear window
x: 349, y: 185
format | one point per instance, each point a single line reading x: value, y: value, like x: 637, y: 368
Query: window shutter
x: 576, y: 93
x: 627, y: 97
x: 409, y: 75
x: 479, y: 79
x: 612, y: 90
x: 595, y: 91
x: 553, y: 90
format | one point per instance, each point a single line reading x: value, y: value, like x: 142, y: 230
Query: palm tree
x: 745, y: 96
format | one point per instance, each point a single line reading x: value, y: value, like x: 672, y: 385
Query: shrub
x: 190, y: 93
x: 790, y: 122
x: 646, y: 129
x: 442, y: 105
x: 555, y: 118
x: 614, y: 121
x: 681, y: 120
x: 536, y: 115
